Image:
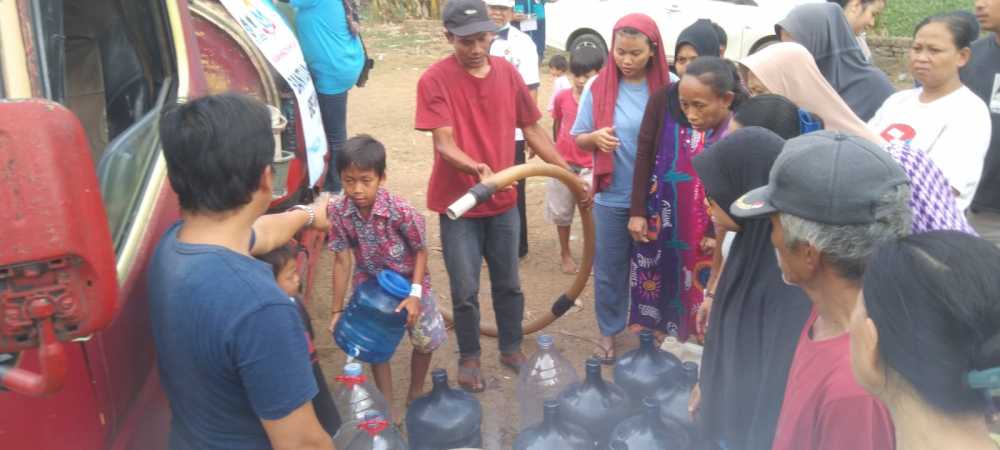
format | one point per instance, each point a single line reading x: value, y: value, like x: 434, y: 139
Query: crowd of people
x: 834, y: 243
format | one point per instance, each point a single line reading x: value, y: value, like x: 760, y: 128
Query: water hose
x: 500, y: 180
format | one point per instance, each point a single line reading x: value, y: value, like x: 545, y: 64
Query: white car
x: 749, y: 24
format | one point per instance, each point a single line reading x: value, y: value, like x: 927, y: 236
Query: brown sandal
x: 473, y: 373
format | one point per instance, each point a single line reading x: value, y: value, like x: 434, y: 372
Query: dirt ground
x: 385, y: 109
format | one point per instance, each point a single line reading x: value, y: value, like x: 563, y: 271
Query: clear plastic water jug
x: 546, y: 374
x: 370, y: 328
x: 553, y: 433
x: 373, y: 433
x: 647, y: 431
x: 354, y: 396
x: 445, y: 418
x: 594, y: 404
x: 645, y: 370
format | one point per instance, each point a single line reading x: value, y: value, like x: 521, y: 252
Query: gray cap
x: 467, y: 17
x: 826, y: 177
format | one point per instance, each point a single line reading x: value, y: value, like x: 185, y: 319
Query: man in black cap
x: 466, y: 101
x: 832, y: 199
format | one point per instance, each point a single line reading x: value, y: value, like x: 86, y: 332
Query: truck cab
x: 84, y: 199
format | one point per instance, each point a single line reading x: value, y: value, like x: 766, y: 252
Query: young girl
x: 611, y: 111
x: 668, y: 217
x: 942, y: 118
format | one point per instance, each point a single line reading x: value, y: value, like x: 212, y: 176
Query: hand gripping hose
x: 486, y: 188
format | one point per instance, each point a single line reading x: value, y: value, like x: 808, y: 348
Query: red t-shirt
x: 564, y: 108
x: 483, y: 113
x: 824, y: 407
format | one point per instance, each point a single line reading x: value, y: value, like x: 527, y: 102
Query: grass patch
x: 900, y: 16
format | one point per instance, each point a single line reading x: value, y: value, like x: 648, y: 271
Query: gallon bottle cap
x: 545, y: 341
x: 593, y: 368
x: 353, y: 370
x: 646, y: 339
x: 550, y: 410
x: 439, y: 377
x: 394, y: 284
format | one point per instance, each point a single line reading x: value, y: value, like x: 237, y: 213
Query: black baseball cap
x: 467, y: 17
x: 827, y: 177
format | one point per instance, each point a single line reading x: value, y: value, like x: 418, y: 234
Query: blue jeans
x: 465, y: 242
x: 611, y: 268
x: 333, y: 109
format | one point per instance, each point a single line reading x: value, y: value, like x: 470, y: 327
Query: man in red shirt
x: 832, y: 198
x: 472, y: 103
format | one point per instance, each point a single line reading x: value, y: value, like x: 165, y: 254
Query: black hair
x: 362, y: 152
x: 723, y: 37
x: 559, y: 63
x: 932, y: 297
x: 279, y: 257
x: 958, y: 24
x: 719, y: 74
x: 633, y: 32
x: 216, y: 148
x: 770, y: 111
x: 583, y: 60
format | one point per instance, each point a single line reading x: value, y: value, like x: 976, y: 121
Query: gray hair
x: 848, y: 247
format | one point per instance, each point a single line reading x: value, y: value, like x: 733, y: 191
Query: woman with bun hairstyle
x: 925, y: 339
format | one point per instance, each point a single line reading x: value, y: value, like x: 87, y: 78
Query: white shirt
x: 953, y: 130
x: 561, y: 84
x: 519, y: 50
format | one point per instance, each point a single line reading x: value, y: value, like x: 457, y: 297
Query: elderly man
x: 832, y: 199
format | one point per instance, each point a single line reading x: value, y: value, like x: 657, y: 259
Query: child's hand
x: 412, y: 306
x: 333, y: 321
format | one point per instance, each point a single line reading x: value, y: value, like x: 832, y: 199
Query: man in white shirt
x: 518, y: 49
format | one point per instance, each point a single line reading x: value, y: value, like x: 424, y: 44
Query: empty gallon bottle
x: 645, y: 370
x: 373, y: 433
x: 595, y: 404
x: 647, y: 431
x: 673, y: 400
x: 445, y: 418
x: 370, y: 328
x: 553, y: 433
x: 354, y: 396
x: 543, y: 377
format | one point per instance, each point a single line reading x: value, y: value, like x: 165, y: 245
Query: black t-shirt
x: 982, y: 75
x: 326, y: 412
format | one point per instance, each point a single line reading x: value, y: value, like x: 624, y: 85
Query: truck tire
x: 588, y: 39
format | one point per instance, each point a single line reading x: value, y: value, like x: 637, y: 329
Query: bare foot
x: 568, y: 265
x: 413, y: 396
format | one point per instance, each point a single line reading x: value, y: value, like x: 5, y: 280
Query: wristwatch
x: 309, y: 210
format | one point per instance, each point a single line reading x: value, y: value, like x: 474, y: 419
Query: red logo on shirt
x: 899, y: 132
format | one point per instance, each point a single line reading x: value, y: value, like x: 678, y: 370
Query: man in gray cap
x: 832, y: 199
x: 472, y: 103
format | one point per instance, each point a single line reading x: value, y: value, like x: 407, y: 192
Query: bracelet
x: 416, y: 290
x: 309, y: 210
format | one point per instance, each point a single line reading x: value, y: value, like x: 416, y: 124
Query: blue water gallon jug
x: 647, y: 431
x: 370, y: 328
x: 444, y: 419
x: 374, y: 432
x: 673, y: 400
x: 553, y: 433
x: 645, y: 370
x: 594, y: 404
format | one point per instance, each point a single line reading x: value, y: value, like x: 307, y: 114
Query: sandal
x: 513, y: 361
x: 470, y: 378
x: 604, y: 356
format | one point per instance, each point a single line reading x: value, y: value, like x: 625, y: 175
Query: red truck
x: 84, y: 199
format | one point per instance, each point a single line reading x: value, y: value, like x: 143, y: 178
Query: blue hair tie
x: 807, y: 123
x: 987, y: 380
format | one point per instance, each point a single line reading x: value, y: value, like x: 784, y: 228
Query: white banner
x: 279, y: 45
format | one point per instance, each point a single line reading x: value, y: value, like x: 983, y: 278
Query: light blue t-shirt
x: 629, y: 109
x: 334, y: 56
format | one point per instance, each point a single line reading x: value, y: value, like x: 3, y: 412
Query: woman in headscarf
x: 671, y: 260
x: 698, y: 39
x: 611, y: 110
x: 787, y: 69
x: 825, y: 33
x: 757, y: 318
